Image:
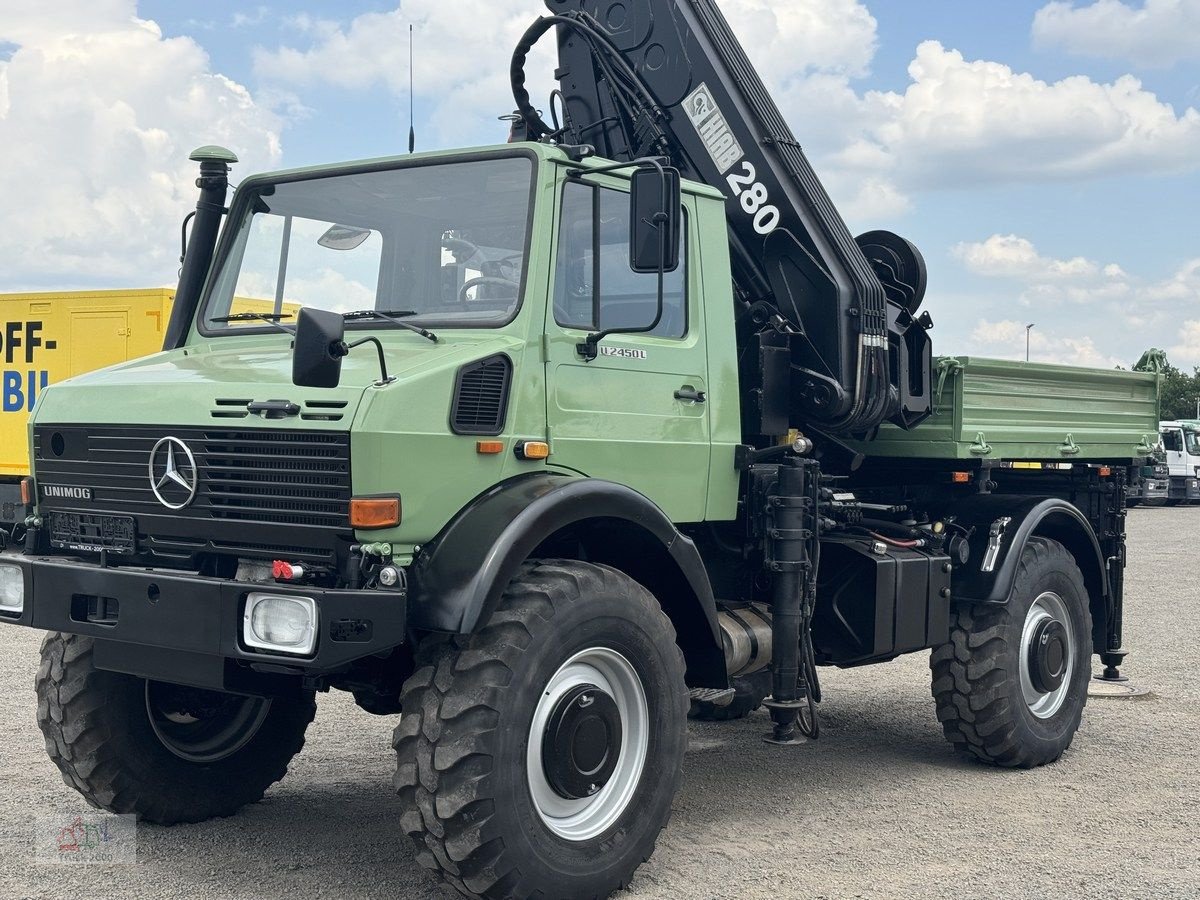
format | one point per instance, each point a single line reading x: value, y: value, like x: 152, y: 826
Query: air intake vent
x: 230, y: 409
x: 481, y: 396
x: 323, y: 410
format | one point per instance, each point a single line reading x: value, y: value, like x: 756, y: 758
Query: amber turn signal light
x: 489, y: 447
x: 960, y: 477
x: 375, y: 512
x: 532, y: 450
x: 27, y: 492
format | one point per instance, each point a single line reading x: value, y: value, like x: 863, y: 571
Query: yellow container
x: 48, y: 337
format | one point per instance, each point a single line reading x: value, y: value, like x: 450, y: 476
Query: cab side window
x: 594, y: 286
x: 1173, y: 440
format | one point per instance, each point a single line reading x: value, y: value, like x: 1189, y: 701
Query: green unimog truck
x: 570, y: 436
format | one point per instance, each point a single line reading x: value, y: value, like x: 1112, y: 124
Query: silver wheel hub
x: 597, y: 701
x: 1047, y: 655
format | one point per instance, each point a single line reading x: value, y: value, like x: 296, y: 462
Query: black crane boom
x: 832, y: 319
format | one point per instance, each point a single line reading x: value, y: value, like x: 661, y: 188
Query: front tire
x: 539, y: 756
x: 1012, y: 682
x: 162, y: 752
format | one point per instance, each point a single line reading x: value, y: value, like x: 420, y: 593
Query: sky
x: 1043, y: 154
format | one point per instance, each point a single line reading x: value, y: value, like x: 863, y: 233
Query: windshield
x: 444, y: 243
x: 1192, y: 442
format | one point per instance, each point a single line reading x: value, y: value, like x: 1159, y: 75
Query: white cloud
x: 962, y: 123
x: 1010, y: 256
x: 971, y: 122
x: 98, y: 112
x: 959, y: 123
x: 1154, y: 33
x: 1081, y: 296
x: 1044, y: 281
x: 1006, y: 340
x: 1185, y: 353
x: 464, y: 70
x: 788, y: 40
x: 806, y: 51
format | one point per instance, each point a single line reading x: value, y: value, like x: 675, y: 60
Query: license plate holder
x: 92, y: 532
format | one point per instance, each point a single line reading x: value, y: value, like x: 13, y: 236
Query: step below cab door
x: 637, y: 414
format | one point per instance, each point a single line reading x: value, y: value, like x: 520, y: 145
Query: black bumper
x: 186, y: 628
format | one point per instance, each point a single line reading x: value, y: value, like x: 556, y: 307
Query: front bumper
x: 1154, y: 489
x: 184, y: 628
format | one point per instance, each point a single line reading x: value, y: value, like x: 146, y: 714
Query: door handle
x: 691, y: 395
x: 273, y: 409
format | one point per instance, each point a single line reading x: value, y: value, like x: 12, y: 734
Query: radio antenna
x: 412, y: 131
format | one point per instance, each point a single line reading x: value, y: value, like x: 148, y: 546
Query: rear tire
x: 749, y: 693
x: 1011, y: 684
x: 495, y: 805
x: 164, y: 753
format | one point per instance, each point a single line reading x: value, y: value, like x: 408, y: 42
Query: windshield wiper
x: 393, y: 316
x: 272, y: 319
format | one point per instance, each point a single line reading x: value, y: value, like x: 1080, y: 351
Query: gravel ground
x: 878, y: 807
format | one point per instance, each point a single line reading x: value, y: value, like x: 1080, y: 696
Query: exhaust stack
x: 210, y: 208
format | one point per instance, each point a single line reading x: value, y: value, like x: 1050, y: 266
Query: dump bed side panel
x: 1001, y: 409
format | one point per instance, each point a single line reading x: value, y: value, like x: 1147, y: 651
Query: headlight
x: 12, y: 590
x: 280, y: 624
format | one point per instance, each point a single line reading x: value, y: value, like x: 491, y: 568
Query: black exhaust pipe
x: 210, y: 209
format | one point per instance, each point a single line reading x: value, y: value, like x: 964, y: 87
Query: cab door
x: 1172, y: 438
x: 637, y: 414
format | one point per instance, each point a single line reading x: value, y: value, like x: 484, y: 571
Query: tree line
x: 1179, y: 392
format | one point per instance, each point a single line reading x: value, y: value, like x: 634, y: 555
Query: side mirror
x: 318, y: 349
x: 656, y: 211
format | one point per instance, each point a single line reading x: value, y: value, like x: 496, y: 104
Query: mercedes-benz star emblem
x: 173, y: 474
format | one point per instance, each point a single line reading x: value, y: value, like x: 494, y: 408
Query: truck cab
x: 1181, y: 443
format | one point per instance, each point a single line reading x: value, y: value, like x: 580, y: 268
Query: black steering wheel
x: 481, y: 280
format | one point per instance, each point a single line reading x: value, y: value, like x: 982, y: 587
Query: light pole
x: 1027, y: 329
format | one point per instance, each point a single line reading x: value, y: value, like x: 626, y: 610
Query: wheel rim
x: 605, y: 675
x: 1047, y: 655
x: 203, y: 726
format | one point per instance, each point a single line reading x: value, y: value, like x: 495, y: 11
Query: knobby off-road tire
x: 110, y: 747
x: 471, y: 746
x: 750, y: 691
x: 989, y: 703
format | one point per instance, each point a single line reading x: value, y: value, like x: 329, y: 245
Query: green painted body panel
x: 1000, y: 409
x: 614, y: 418
x: 617, y: 418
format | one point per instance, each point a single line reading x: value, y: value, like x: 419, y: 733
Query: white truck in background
x: 1181, y: 444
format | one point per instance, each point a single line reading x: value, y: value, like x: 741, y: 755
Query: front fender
x: 458, y: 578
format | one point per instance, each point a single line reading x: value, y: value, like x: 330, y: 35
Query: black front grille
x: 481, y: 396
x: 257, y: 491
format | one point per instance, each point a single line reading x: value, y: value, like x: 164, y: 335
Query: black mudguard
x: 458, y: 578
x: 1045, y: 517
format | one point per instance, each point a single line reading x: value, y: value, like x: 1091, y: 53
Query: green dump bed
x: 1000, y: 409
